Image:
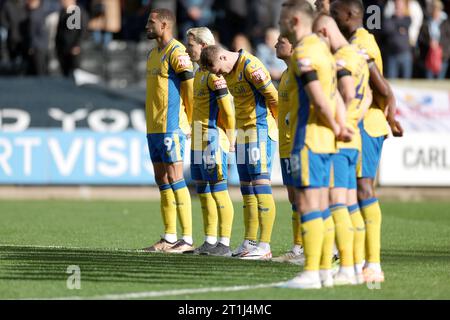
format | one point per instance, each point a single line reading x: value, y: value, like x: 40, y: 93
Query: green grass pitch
x: 99, y: 237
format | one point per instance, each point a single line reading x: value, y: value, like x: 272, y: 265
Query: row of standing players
x: 332, y: 110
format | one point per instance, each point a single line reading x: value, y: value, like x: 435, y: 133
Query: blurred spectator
x: 240, y: 41
x: 36, y: 38
x: 13, y: 18
x: 399, y: 55
x: 193, y: 14
x: 134, y: 18
x: 435, y: 36
x: 68, y: 41
x: 105, y: 21
x: 267, y: 54
x: 263, y: 14
x: 231, y: 19
x: 416, y: 14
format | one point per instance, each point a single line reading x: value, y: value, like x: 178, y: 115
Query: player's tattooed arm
x: 346, y: 85
x: 381, y: 86
x: 260, y: 78
x: 366, y: 102
x: 346, y: 133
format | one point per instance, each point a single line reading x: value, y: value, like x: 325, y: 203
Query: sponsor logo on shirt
x: 220, y: 84
x: 184, y: 61
x: 259, y: 75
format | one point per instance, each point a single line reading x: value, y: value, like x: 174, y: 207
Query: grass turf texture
x: 415, y: 253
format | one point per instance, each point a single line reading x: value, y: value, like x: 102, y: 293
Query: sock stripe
x: 353, y: 208
x: 178, y: 184
x: 263, y: 189
x: 367, y: 202
x: 247, y: 190
x: 203, y: 188
x: 311, y: 216
x: 326, y: 214
x: 337, y: 206
x: 163, y: 187
x: 221, y: 186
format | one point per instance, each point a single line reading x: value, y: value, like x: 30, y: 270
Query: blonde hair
x: 202, y: 35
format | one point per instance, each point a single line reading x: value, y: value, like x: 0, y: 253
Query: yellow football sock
x: 266, y: 211
x: 209, y: 209
x: 372, y: 217
x: 251, y: 221
x: 312, y: 233
x: 344, y: 233
x: 296, y: 226
x: 168, y: 209
x: 224, y: 207
x: 184, y: 209
x: 359, y: 238
x: 328, y: 240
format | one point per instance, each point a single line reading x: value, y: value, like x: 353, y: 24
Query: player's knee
x: 365, y: 191
x: 291, y: 195
x: 161, y: 178
x: 338, y: 195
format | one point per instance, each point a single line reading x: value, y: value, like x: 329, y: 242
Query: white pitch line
x: 4, y: 245
x: 164, y: 293
x: 144, y: 294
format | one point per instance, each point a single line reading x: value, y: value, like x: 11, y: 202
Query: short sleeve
x: 302, y: 62
x: 218, y: 85
x: 180, y: 61
x: 257, y: 74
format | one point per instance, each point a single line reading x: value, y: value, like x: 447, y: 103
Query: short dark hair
x: 164, y: 14
x: 356, y: 5
x: 209, y: 55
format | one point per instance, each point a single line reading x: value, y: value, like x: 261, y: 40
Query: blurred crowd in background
x: 111, y: 43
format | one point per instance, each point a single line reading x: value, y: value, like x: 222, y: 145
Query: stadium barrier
x: 53, y: 133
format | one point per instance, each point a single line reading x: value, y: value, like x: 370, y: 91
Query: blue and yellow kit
x: 287, y: 85
x: 169, y: 101
x: 374, y: 127
x: 256, y: 104
x: 312, y: 140
x: 350, y: 61
x: 213, y: 118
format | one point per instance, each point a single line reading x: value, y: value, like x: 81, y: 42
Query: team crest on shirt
x: 220, y: 84
x: 258, y: 75
x: 184, y: 61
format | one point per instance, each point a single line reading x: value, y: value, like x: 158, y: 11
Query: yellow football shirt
x: 165, y: 108
x: 287, y: 84
x: 351, y: 59
x: 374, y: 120
x: 255, y: 98
x: 212, y: 104
x: 305, y: 125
